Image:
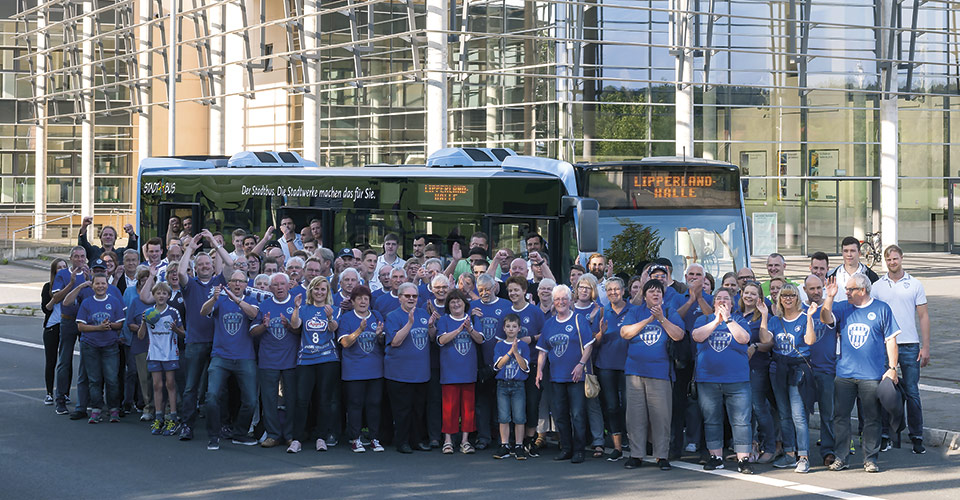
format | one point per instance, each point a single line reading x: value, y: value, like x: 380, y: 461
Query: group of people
x: 281, y: 342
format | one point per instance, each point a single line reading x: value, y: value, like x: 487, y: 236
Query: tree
x: 634, y: 244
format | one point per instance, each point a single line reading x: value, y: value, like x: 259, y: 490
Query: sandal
x: 598, y: 452
x: 448, y: 448
x: 467, y: 449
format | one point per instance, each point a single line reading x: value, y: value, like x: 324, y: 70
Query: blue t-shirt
x: 863, y: 333
x: 694, y: 313
x: 721, y: 359
x: 611, y: 352
x: 425, y: 295
x: 823, y: 353
x: 490, y: 325
x: 458, y: 357
x: 673, y: 299
x: 94, y: 312
x: 559, y: 339
x: 511, y: 370
x: 61, y: 282
x: 585, y: 312
x: 231, y: 330
x: 364, y: 359
x: 278, y: 345
x: 298, y: 289
x: 317, y: 344
x: 200, y: 328
x: 531, y: 321
x: 134, y: 316
x: 410, y: 361
x: 386, y: 303
x: 788, y: 336
x: 339, y: 298
x: 647, y: 353
x: 760, y: 360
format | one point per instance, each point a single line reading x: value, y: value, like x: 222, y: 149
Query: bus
x: 577, y: 209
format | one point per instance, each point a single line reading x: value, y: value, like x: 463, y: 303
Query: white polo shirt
x: 903, y: 297
x: 842, y: 277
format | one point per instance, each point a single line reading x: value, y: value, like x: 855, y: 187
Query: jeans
x: 196, y: 357
x: 102, y: 365
x: 909, y: 383
x: 319, y: 383
x: 130, y: 378
x: 269, y: 381
x: 825, y: 401
x: 595, y: 421
x: 544, y: 422
x: 512, y: 403
x: 766, y: 433
x: 613, y: 388
x: 568, y: 403
x: 408, y: 402
x: 363, y: 396
x: 793, y: 418
x: 735, y: 397
x: 51, y: 344
x: 64, y: 369
x: 846, y: 392
x: 245, y: 371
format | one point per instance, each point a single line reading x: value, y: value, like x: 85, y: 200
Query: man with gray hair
x: 390, y: 301
x: 326, y: 263
x: 348, y: 280
x: 431, y: 268
x: 867, y: 330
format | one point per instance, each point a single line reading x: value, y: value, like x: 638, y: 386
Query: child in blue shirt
x: 162, y: 322
x: 512, y: 362
x: 99, y: 320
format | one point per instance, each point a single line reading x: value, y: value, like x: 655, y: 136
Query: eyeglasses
x: 238, y: 281
x: 741, y: 278
x: 788, y: 295
x: 585, y: 288
x: 409, y: 295
x: 852, y: 289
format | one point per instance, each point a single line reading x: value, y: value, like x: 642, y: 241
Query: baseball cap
x: 99, y: 263
x: 346, y: 252
x: 663, y: 261
x: 658, y: 267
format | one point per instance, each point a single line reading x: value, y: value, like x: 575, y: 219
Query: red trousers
x: 458, y: 408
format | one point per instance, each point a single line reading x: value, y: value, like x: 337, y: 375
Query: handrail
x: 13, y: 234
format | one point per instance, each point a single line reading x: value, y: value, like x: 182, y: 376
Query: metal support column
x: 437, y: 123
x: 682, y: 27
x: 311, y: 98
x: 889, y: 151
x: 172, y: 82
x: 145, y: 85
x: 40, y: 146
x: 89, y: 105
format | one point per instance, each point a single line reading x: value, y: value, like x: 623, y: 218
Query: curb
x: 937, y: 438
x: 20, y: 311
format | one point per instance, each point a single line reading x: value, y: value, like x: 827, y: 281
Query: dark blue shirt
x: 410, y: 361
x: 531, y: 321
x: 823, y: 353
x: 364, y: 359
x: 317, y: 344
x: 231, y: 329
x: 563, y: 345
x: 760, y: 360
x: 61, y: 282
x: 200, y: 328
x: 278, y: 345
x: 611, y: 352
x: 721, y: 359
x: 490, y: 324
x: 863, y: 334
x: 788, y: 336
x: 386, y: 304
x: 511, y: 370
x: 647, y: 353
x: 694, y: 313
x: 94, y: 312
x: 458, y: 357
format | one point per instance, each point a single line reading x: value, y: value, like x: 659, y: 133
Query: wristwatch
x: 728, y: 320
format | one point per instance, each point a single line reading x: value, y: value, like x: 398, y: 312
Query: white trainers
x: 803, y: 466
x: 357, y: 446
x: 376, y: 445
x: 321, y: 445
x: 691, y: 448
x: 294, y: 447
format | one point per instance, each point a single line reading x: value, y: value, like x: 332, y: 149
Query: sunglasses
x: 409, y: 295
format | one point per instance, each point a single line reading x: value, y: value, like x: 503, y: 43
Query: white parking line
x: 28, y: 344
x: 937, y: 388
x: 777, y: 483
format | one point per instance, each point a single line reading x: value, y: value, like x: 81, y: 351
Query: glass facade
x: 791, y: 91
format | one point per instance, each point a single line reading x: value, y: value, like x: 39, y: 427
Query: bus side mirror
x: 588, y: 225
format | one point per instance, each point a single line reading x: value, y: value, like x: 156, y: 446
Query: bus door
x: 181, y: 210
x: 511, y: 232
x: 301, y: 218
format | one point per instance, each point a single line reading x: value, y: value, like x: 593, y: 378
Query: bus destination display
x: 664, y: 185
x: 654, y: 186
x: 460, y: 195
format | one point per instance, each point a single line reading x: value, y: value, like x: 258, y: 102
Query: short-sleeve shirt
x: 61, y: 282
x: 823, y: 352
x: 94, y: 312
x: 903, y: 297
x: 386, y: 303
x: 278, y: 345
x: 788, y: 336
x: 458, y: 357
x: 490, y: 324
x: 231, y: 335
x: 531, y: 321
x: 410, y: 361
x: 863, y: 333
x: 594, y: 320
x: 611, y: 351
x: 199, y: 328
x: 694, y: 313
x: 364, y: 359
x: 559, y: 339
x: 163, y: 340
x: 134, y: 316
x: 720, y: 358
x: 511, y: 369
x: 647, y: 353
x: 317, y: 344
x: 760, y: 360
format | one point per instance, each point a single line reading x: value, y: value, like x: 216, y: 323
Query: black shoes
x: 633, y: 463
x: 405, y: 448
x: 918, y: 446
x: 564, y: 455
x: 744, y: 467
x: 713, y: 463
x: 578, y: 457
x: 664, y: 464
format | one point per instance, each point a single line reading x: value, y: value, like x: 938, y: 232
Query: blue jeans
x: 269, y: 393
x: 245, y: 371
x: 760, y: 385
x: 568, y: 403
x: 613, y: 389
x: 793, y: 418
x: 103, y: 366
x: 910, y: 383
x: 735, y: 397
x: 196, y: 357
x: 825, y: 402
x: 511, y: 403
x: 64, y: 369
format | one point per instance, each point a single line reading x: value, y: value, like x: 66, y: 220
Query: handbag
x: 591, y: 384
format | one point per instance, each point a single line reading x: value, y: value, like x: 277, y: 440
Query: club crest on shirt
x: 367, y: 341
x: 511, y: 370
x: 871, y: 315
x: 277, y: 329
x: 100, y: 317
x: 108, y: 306
x: 906, y: 284
x: 462, y: 343
x: 488, y: 326
x: 651, y: 334
x: 785, y: 343
x: 423, y: 321
x: 858, y: 333
x: 498, y: 312
x: 559, y: 344
x: 526, y: 320
x: 419, y: 338
x: 568, y: 328
x: 232, y: 322
x: 290, y: 310
x: 720, y: 340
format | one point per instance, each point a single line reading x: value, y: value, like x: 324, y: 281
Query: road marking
x: 937, y: 388
x: 24, y: 396
x: 28, y: 344
x: 21, y: 286
x: 777, y: 483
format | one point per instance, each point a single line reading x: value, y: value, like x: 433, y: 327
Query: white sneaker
x: 691, y: 448
x: 376, y: 445
x: 357, y: 446
x: 48, y: 400
x: 803, y: 466
x: 146, y: 417
x: 321, y: 445
x: 294, y: 447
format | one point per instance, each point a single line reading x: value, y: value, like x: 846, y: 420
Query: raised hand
x: 411, y: 315
x: 456, y: 252
x: 363, y: 324
x: 128, y: 228
x: 832, y: 288
x: 269, y: 234
x: 762, y: 307
x: 812, y: 310
x: 86, y: 222
x: 298, y: 299
x: 379, y: 328
x: 206, y: 234
x: 476, y: 312
x: 328, y: 310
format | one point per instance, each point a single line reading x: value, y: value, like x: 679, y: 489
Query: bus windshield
x: 712, y: 238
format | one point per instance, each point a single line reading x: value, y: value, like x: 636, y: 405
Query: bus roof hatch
x: 469, y: 157
x: 245, y: 159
